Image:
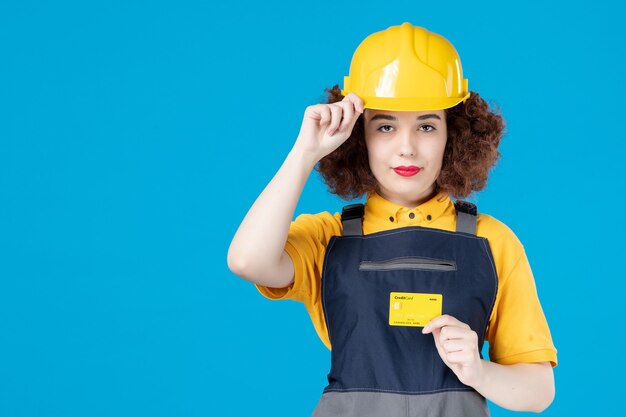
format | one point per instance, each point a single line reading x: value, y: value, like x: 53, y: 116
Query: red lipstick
x: 406, y: 171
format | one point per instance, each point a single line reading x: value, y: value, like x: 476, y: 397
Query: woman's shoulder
x: 323, y: 223
x: 321, y: 217
x: 497, y: 232
x: 506, y: 248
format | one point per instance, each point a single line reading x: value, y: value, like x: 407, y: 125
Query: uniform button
x: 412, y: 215
x: 429, y: 217
x: 391, y: 218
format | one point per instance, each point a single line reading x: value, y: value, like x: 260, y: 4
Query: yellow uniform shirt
x: 517, y: 331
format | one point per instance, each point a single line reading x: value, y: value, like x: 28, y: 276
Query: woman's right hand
x: 326, y: 126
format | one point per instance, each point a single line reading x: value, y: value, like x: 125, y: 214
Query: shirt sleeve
x: 518, y: 331
x: 306, y: 245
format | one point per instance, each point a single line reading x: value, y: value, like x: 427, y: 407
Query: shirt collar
x: 379, y: 208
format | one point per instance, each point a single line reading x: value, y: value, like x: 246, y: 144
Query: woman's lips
x: 406, y: 171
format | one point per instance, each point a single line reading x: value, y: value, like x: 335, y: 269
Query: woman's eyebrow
x: 428, y: 116
x: 390, y: 117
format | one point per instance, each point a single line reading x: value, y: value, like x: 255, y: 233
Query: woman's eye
x: 383, y: 128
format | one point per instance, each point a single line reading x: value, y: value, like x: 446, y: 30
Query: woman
x: 405, y: 288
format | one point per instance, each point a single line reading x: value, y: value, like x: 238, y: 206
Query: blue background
x: 134, y: 137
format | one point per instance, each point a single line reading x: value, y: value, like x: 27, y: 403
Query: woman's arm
x: 256, y: 252
x: 518, y: 387
x: 258, y: 245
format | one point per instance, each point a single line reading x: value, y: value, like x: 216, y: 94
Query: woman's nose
x: 408, y: 144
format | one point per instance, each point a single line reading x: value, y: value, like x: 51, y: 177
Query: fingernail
x: 424, y: 329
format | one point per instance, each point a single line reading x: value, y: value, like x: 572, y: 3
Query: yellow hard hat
x: 408, y: 68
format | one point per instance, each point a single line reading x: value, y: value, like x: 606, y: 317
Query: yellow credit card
x: 413, y: 309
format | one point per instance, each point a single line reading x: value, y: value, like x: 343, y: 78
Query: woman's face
x: 415, y: 140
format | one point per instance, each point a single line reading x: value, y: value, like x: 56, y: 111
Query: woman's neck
x: 407, y: 201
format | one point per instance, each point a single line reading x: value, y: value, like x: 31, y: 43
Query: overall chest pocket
x: 409, y: 262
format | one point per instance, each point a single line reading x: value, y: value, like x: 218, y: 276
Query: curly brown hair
x: 474, y: 133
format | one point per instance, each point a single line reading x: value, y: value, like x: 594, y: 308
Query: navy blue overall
x: 384, y: 370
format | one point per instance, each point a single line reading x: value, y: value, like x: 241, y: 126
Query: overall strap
x: 466, y: 214
x: 352, y: 219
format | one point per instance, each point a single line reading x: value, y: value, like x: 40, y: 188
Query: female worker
x: 406, y: 288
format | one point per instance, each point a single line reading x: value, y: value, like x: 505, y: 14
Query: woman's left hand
x: 457, y: 345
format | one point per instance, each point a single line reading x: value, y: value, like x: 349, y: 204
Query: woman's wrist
x: 303, y: 158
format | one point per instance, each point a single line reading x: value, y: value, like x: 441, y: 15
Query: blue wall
x: 122, y: 124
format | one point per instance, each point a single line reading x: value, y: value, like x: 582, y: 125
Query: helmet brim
x: 409, y: 104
